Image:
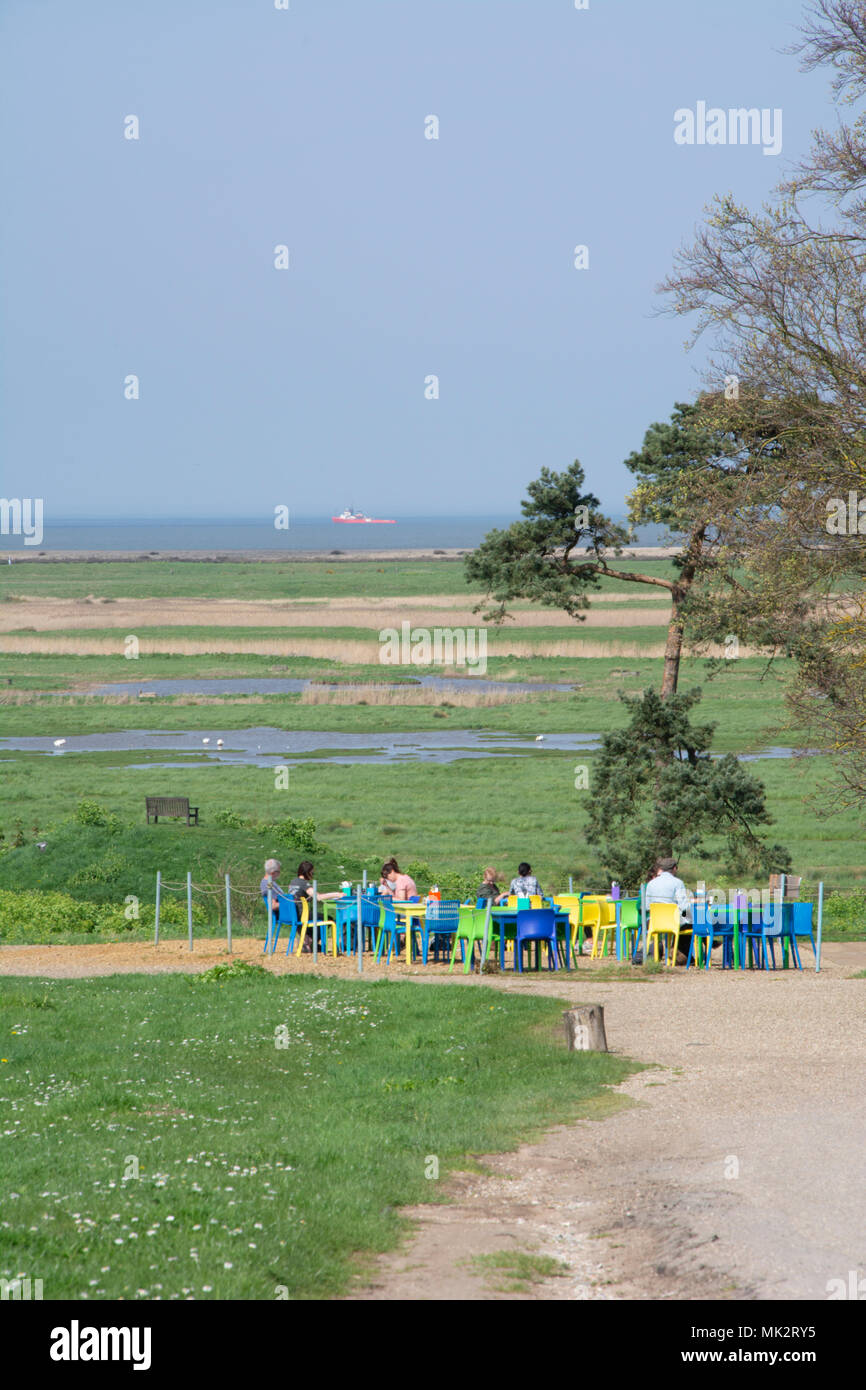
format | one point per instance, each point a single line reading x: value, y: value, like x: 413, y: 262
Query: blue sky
x: 408, y: 256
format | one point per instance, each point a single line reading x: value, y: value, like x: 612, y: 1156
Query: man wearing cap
x: 665, y: 887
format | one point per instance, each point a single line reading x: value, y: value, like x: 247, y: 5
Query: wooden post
x: 156, y: 917
x: 584, y: 1028
x: 229, y: 913
x: 820, y: 925
x: 189, y: 906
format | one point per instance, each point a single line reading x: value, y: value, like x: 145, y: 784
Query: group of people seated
x: 663, y: 887
x: 394, y: 884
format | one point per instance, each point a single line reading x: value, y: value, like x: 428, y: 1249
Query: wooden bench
x: 171, y: 806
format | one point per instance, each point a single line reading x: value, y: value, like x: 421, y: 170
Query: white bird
x: 205, y: 740
x: 219, y: 743
x: 539, y: 738
x: 59, y: 742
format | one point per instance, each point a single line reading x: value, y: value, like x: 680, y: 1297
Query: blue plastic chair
x: 711, y: 924
x: 273, y: 922
x: 536, y: 924
x: 765, y: 933
x: 392, y: 928
x: 290, y: 916
x: 800, y: 916
x: 440, y: 926
x: 371, y: 915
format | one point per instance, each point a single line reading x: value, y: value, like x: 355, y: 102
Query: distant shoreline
x: 100, y: 557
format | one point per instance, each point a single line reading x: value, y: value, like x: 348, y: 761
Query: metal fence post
x: 360, y: 934
x: 156, y: 917
x: 315, y: 922
x: 229, y: 913
x: 643, y: 920
x: 487, y: 935
x: 189, y: 906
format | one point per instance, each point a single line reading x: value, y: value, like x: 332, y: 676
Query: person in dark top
x: 301, y: 885
x: 489, y: 887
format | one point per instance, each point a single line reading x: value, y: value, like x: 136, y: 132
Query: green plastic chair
x: 629, y: 921
x: 470, y: 928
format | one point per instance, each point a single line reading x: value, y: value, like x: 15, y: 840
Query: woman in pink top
x: 398, y: 886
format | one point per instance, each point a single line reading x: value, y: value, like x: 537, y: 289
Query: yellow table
x: 409, y: 911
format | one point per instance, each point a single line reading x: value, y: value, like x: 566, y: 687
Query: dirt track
x: 738, y: 1173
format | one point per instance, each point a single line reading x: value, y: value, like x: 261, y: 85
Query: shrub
x: 33, y: 916
x: 172, y: 913
x: 846, y: 912
x: 234, y: 970
x: 106, y: 870
x: 91, y: 813
x: 232, y: 820
x: 300, y: 833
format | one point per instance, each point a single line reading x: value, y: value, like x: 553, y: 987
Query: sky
x: 408, y: 258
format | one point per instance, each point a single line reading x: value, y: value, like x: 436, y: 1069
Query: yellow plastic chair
x: 589, y: 915
x: 323, y: 922
x: 664, y: 920
x: 570, y: 903
x: 605, y: 929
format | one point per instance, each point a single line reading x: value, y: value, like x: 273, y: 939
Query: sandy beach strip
x: 99, y: 557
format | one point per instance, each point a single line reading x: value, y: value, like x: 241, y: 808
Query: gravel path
x: 737, y: 1170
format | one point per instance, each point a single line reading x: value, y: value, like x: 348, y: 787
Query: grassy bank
x: 458, y: 816
x: 246, y: 1137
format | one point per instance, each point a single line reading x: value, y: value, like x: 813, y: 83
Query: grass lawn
x: 231, y: 1137
x: 268, y: 579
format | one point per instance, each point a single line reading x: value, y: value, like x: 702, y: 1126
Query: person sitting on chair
x: 399, y: 887
x: 665, y: 887
x: 269, y: 882
x: 489, y: 887
x: 526, y: 885
x: 301, y: 885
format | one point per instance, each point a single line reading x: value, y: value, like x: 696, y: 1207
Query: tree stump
x: 584, y: 1028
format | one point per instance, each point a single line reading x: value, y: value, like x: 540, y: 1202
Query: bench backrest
x: 167, y: 805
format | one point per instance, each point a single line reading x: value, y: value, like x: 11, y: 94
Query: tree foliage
x: 658, y: 792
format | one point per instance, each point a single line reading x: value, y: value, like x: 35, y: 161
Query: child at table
x: 489, y: 887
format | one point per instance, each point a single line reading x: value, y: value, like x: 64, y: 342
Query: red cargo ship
x: 351, y: 518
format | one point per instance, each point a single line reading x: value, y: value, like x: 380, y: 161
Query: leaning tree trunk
x: 673, y: 650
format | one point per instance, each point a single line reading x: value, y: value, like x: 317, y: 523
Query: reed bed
x: 345, y: 652
x: 65, y: 615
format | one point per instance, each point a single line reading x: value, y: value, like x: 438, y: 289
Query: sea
x: 149, y: 537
